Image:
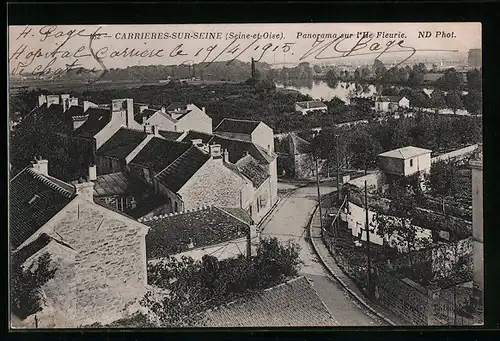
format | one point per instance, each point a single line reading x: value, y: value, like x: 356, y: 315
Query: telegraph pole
x: 368, y: 255
x: 337, y: 164
x: 317, y: 184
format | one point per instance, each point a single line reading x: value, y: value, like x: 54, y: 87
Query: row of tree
x: 358, y: 146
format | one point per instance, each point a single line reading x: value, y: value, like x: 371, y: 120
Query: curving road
x: 289, y: 222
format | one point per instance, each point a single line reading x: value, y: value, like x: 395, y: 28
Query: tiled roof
x: 300, y: 145
x: 294, y: 303
x: 34, y: 200
x: 194, y: 135
x: 74, y: 111
x: 405, y: 152
x: 238, y: 149
x: 98, y: 118
x: 311, y: 104
x: 42, y: 241
x: 176, y: 174
x: 176, y: 106
x: 239, y: 213
x: 146, y: 205
x: 170, y: 135
x: 237, y: 126
x: 171, y: 234
x: 116, y: 184
x: 251, y: 169
x: 122, y: 143
x: 158, y: 153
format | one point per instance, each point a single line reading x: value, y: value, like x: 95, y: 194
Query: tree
x: 441, y: 180
x: 317, y: 68
x: 451, y: 80
x: 473, y: 101
x: 364, y: 149
x: 438, y: 100
x: 474, y: 81
x: 453, y: 100
x: 378, y: 68
x: 419, y: 99
x: 402, y: 207
x: 25, y: 285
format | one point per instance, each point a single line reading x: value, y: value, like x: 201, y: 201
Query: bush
x: 195, y: 286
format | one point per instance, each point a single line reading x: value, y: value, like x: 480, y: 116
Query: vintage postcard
x: 245, y: 175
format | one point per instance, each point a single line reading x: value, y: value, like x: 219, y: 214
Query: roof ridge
x: 171, y: 163
x: 168, y: 215
x: 15, y: 176
x: 50, y: 183
x: 232, y: 215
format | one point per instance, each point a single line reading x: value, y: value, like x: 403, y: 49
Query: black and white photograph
x: 245, y: 175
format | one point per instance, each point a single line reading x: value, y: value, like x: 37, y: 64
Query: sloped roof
x: 146, y: 205
x: 47, y: 198
x: 391, y: 99
x: 42, y: 241
x: 311, y: 104
x: 176, y: 174
x: 405, y: 152
x: 170, y: 135
x: 97, y: 120
x: 122, y: 143
x: 175, y: 106
x: 116, y: 184
x: 158, y: 153
x: 293, y: 303
x: 239, y: 213
x: 238, y: 149
x: 171, y: 234
x: 75, y: 111
x: 253, y: 170
x: 194, y: 135
x: 232, y: 125
x: 300, y: 145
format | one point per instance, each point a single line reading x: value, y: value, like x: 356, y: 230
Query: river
x: 322, y: 91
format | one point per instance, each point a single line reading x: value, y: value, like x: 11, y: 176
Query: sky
x: 31, y: 48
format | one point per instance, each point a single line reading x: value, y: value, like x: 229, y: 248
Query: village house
x: 391, y: 103
x: 176, y: 117
x: 301, y: 158
x: 291, y: 304
x: 209, y: 230
x: 403, y: 162
x: 310, y: 106
x: 99, y: 253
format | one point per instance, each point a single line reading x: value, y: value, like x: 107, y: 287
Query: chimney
x: 42, y: 99
x: 196, y: 142
x: 52, y: 99
x: 86, y: 105
x: 65, y: 102
x: 226, y: 156
x: 41, y: 166
x: 130, y: 112
x: 155, y: 130
x: 203, y: 109
x: 307, y: 104
x: 73, y: 102
x: 215, y: 151
x: 85, y: 189
x: 92, y: 172
x: 162, y: 109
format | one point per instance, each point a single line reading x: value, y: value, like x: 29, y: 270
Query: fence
x: 416, y: 304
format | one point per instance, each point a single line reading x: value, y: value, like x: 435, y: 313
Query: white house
x: 405, y: 161
x: 391, y: 103
x: 308, y: 106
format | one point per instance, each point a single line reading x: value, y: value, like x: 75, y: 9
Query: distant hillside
x: 236, y: 71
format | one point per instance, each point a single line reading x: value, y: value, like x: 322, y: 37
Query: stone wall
x: 217, y: 185
x: 109, y: 267
x: 456, y: 154
x: 373, y: 181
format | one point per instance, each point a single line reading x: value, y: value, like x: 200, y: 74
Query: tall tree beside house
x: 25, y: 285
x: 438, y: 100
x: 441, y: 180
x: 453, y: 100
x: 364, y: 149
x: 402, y: 207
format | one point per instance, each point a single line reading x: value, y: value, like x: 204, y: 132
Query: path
x: 289, y: 222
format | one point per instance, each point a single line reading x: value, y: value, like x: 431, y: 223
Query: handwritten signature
x: 42, y: 62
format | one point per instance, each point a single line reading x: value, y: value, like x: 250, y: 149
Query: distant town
x: 248, y: 195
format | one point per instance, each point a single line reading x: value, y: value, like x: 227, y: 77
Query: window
x: 110, y: 163
x: 176, y: 207
x: 123, y: 203
x: 411, y: 162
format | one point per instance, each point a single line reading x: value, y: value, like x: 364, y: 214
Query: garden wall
x: 456, y: 154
